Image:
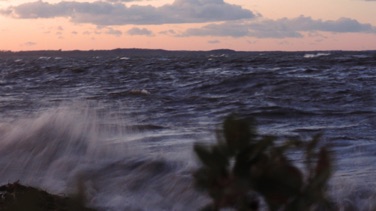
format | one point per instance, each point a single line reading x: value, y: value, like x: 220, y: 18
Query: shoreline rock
x: 17, y: 197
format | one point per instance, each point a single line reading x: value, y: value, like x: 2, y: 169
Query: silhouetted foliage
x: 244, y: 166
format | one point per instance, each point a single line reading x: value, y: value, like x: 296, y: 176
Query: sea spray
x: 34, y: 145
x: 67, y: 148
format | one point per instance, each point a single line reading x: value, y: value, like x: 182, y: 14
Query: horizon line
x: 170, y: 50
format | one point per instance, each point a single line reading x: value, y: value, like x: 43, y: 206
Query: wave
x: 61, y: 149
x: 312, y: 55
x: 164, y: 105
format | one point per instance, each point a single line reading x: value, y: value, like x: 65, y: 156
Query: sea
x: 120, y: 124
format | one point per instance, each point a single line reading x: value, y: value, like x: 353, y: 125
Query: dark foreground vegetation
x: 243, y: 171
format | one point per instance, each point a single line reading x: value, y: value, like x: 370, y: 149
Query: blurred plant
x: 244, y: 166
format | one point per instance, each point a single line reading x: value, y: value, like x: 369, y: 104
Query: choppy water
x: 123, y: 123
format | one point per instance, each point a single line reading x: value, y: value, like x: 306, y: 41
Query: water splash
x: 62, y: 148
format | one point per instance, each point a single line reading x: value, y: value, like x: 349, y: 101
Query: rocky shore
x: 17, y: 197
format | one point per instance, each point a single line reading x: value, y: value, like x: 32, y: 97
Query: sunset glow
x: 188, y: 24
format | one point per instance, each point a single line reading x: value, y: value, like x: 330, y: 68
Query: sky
x: 244, y: 25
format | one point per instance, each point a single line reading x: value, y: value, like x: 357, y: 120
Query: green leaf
x: 209, y: 207
x: 261, y: 146
x: 279, y: 184
x: 214, y: 158
x: 203, y: 179
x: 323, y: 168
x: 203, y: 154
x: 238, y: 133
x: 310, y: 153
x: 290, y: 144
x: 242, y: 162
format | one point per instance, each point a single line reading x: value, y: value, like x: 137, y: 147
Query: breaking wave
x: 61, y: 149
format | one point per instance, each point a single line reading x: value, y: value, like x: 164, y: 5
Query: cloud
x: 224, y: 29
x: 117, y: 1
x: 29, y: 43
x: 140, y: 31
x: 115, y: 13
x: 342, y: 25
x: 281, y: 28
x: 168, y: 32
x: 114, y: 32
x: 214, y: 41
x: 264, y: 29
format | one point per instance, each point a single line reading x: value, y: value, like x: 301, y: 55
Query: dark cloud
x: 114, y: 32
x: 280, y: 28
x: 115, y: 13
x: 140, y: 31
x: 342, y: 25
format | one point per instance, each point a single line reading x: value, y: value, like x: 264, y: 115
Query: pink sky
x: 188, y: 24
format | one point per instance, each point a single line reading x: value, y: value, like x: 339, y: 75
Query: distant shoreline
x: 139, y: 52
x: 113, y: 52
